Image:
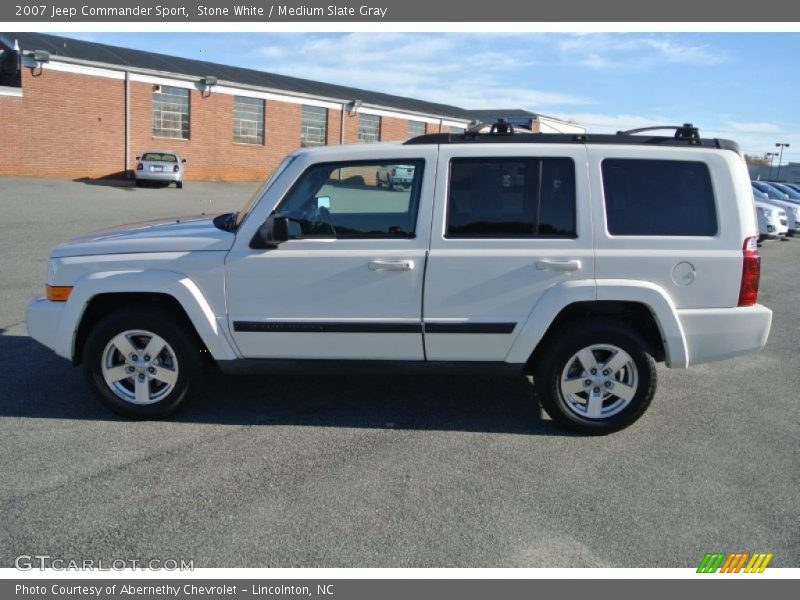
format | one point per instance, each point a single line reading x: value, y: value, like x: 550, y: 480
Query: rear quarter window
x: 658, y: 197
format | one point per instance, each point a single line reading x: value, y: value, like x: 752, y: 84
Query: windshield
x: 251, y: 202
x: 772, y: 192
x: 785, y: 188
x: 159, y: 157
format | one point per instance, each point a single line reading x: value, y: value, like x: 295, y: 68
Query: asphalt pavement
x: 380, y: 471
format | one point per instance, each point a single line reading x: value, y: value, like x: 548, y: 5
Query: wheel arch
x: 641, y: 305
x: 96, y: 294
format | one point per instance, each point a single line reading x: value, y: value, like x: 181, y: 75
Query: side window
x: 658, y: 198
x: 511, y: 197
x: 355, y: 200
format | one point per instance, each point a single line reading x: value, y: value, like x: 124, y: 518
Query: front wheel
x: 141, y: 363
x: 598, y: 376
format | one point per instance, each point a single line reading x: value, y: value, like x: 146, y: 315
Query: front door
x: 348, y: 282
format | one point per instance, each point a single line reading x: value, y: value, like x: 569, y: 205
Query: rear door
x: 511, y: 221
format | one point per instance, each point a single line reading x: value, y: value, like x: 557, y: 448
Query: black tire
x: 179, y: 185
x: 555, y: 357
x: 378, y: 182
x: 139, y: 183
x: 145, y: 318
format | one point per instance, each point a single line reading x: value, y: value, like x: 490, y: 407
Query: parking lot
x: 380, y: 471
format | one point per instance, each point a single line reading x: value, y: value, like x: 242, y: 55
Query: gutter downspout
x: 127, y: 122
x: 341, y: 126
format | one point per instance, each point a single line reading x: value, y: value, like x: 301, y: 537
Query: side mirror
x: 274, y: 231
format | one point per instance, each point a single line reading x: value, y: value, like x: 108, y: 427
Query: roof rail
x: 687, y: 131
x: 685, y: 135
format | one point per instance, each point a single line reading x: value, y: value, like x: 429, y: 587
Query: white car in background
x: 395, y: 176
x: 772, y: 222
x: 769, y: 195
x: 165, y: 166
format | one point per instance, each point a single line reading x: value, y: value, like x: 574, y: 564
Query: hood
x: 183, y: 234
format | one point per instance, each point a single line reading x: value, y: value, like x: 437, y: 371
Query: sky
x: 742, y: 86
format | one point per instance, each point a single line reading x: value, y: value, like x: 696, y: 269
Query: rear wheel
x: 179, y: 184
x: 140, y: 363
x: 596, y: 377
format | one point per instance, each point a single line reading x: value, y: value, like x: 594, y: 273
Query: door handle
x: 563, y: 266
x: 391, y: 265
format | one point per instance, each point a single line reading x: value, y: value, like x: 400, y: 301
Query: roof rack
x: 499, y: 127
x: 504, y: 133
x: 687, y: 131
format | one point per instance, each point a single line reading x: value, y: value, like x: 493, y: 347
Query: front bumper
x: 720, y: 333
x: 42, y: 318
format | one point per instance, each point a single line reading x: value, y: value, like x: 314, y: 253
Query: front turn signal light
x: 58, y: 293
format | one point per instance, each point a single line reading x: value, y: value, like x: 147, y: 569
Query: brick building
x: 70, y: 108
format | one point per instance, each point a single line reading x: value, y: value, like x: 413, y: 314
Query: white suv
x: 580, y: 260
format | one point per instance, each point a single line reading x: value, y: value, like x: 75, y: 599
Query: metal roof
x: 94, y: 52
x: 490, y: 115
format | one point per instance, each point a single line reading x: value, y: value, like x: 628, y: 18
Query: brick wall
x: 73, y: 125
x: 393, y: 130
x: 11, y: 149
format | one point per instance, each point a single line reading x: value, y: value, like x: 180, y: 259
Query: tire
x: 585, y: 402
x: 139, y: 183
x: 378, y: 182
x: 175, y: 368
x: 179, y: 185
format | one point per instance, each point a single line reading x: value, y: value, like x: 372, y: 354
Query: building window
x: 313, y: 126
x: 248, y: 120
x: 416, y: 128
x: 369, y: 128
x: 456, y: 129
x: 170, y: 112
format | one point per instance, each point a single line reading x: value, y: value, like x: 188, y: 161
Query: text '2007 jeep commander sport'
x: 580, y: 260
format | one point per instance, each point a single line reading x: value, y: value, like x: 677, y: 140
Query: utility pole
x: 771, y: 156
x: 781, y: 146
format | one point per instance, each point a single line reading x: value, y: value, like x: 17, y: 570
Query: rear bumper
x: 156, y: 176
x: 720, y: 333
x: 42, y: 318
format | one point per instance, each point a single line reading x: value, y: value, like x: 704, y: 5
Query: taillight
x: 175, y: 169
x: 751, y: 272
x: 140, y: 167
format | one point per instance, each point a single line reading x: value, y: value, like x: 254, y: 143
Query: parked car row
x: 777, y: 209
